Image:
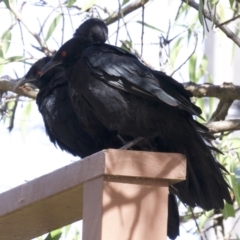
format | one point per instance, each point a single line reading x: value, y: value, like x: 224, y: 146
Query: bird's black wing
x: 62, y: 125
x: 124, y: 71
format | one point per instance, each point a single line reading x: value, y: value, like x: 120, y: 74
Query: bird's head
x: 94, y: 29
x: 91, y: 31
x: 67, y: 53
x: 33, y: 74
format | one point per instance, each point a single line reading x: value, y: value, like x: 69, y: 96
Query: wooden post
x: 119, y: 194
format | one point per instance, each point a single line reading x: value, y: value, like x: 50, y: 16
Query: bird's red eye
x: 63, y: 53
x: 38, y: 72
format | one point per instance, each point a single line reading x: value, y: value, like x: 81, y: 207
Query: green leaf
x: 2, y: 60
x: 7, y: 3
x: 87, y: 4
x: 200, y: 103
x: 200, y: 15
x: 231, y: 3
x: 212, y: 104
x: 10, y: 59
x: 213, y: 3
x: 54, y: 235
x: 124, y: 2
x: 150, y: 26
x: 228, y: 211
x: 202, y: 68
x: 67, y: 229
x: 70, y: 3
x: 53, y: 26
x: 1, y: 55
x: 183, y: 11
x: 200, y: 12
x: 5, y: 41
x: 127, y: 45
x: 192, y: 68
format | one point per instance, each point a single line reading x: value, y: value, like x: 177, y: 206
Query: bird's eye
x: 63, y: 53
x: 38, y: 72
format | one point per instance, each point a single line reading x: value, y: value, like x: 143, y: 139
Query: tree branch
x: 209, y: 16
x: 34, y: 34
x: 226, y: 91
x: 224, y: 126
x: 228, y: 21
x: 125, y: 11
x: 221, y: 111
x: 9, y: 84
x: 204, y: 90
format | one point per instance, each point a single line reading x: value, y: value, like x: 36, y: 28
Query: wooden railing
x: 119, y: 194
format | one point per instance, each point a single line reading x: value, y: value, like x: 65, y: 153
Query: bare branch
x: 34, y: 34
x: 194, y: 50
x: 228, y: 21
x: 209, y: 16
x: 221, y: 110
x: 224, y: 126
x: 9, y: 84
x: 132, y: 143
x: 226, y: 91
x: 128, y: 9
x: 104, y: 8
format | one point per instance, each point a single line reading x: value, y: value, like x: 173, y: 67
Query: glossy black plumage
x: 133, y: 100
x: 93, y: 29
x: 62, y: 125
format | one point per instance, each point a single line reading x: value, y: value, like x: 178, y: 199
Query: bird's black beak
x: 50, y: 65
x: 24, y: 80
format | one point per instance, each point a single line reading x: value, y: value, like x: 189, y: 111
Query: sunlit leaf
x: 150, y: 26
x: 6, y: 3
x: 54, y: 235
x: 192, y: 68
x: 2, y: 60
x: 183, y: 11
x: 126, y: 45
x: 1, y: 55
x: 87, y: 4
x: 212, y: 104
x: 200, y: 103
x: 67, y: 229
x: 200, y: 15
x: 53, y: 26
x: 5, y: 41
x: 10, y: 59
x: 70, y: 3
x: 228, y: 211
x: 213, y: 3
x: 210, y: 79
x: 200, y: 12
x: 231, y: 3
x: 124, y: 2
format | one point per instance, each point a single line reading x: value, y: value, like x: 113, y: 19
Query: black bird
x: 62, y: 125
x: 93, y: 29
x: 133, y: 100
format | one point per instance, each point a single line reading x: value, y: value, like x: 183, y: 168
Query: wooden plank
x: 146, y: 164
x: 55, y: 199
